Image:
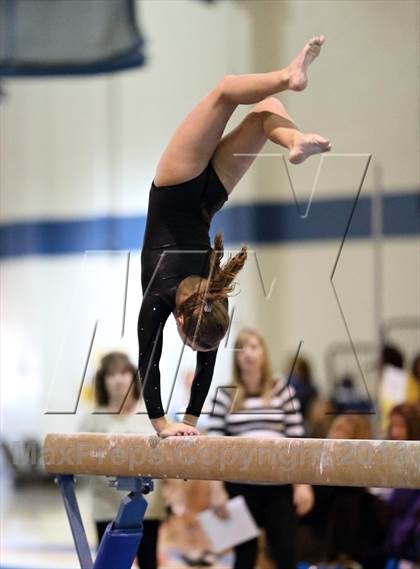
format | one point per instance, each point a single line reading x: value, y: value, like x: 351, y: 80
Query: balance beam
x: 368, y: 463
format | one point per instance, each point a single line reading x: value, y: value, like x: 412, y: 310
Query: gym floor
x: 36, y: 534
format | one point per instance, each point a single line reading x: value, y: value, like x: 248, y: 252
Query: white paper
x: 238, y: 528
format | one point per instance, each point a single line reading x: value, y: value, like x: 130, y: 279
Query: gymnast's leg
x: 268, y: 120
x: 197, y: 137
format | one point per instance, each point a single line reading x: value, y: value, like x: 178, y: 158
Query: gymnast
x: 180, y: 272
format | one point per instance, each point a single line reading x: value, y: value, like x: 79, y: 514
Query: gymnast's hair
x: 205, y: 312
x: 111, y: 363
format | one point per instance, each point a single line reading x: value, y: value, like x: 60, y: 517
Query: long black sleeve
x: 152, y: 318
x: 201, y: 382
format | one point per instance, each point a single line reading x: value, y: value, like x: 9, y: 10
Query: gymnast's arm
x: 200, y: 385
x: 152, y: 318
x: 153, y: 315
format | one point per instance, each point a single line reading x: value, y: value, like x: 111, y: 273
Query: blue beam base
x: 122, y: 537
x: 118, y: 548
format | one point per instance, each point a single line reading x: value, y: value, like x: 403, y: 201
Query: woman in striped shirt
x: 259, y: 405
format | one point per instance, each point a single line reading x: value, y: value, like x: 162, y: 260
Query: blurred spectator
x: 344, y: 394
x: 391, y: 355
x: 117, y: 398
x: 345, y: 523
x: 404, y: 423
x: 413, y: 387
x: 24, y: 462
x: 393, y: 386
x: 403, y: 505
x: 302, y: 381
x: 350, y: 427
x: 258, y: 405
x: 320, y: 417
x: 189, y: 497
x: 346, y: 398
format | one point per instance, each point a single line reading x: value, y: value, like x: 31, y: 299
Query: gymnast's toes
x: 306, y: 145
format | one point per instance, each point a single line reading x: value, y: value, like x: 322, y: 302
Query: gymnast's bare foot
x: 307, y: 144
x: 298, y: 78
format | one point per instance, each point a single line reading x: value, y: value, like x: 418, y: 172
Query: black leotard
x: 176, y: 245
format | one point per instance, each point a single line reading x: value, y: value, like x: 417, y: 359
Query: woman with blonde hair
x: 259, y: 405
x: 181, y: 273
